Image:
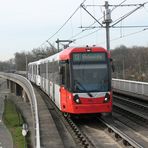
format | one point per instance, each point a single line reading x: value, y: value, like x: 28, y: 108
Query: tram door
x: 64, y: 72
x: 51, y: 88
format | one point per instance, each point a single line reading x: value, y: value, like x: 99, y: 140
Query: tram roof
x: 65, y: 54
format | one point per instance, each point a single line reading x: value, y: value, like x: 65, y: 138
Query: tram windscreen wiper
x: 77, y: 82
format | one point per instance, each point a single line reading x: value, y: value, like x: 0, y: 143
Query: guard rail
x: 137, y: 87
x: 26, y: 85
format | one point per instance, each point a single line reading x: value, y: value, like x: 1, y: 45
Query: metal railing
x: 137, y: 87
x: 27, y: 86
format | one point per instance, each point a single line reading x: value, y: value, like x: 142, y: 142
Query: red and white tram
x: 77, y: 79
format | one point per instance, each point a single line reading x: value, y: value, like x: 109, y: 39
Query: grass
x: 13, y: 120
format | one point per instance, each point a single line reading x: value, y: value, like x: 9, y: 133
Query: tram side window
x: 53, y: 72
x: 62, y: 73
x: 56, y: 73
x: 39, y: 72
x: 34, y: 69
x: 42, y: 70
x: 49, y: 71
x: 65, y: 76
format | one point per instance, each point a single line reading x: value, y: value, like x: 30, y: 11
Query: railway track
x: 136, y: 131
x: 132, y: 114
x: 131, y: 107
x: 123, y: 134
x: 100, y: 132
x: 69, y: 132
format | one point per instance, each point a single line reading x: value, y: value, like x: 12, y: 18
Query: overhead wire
x: 126, y: 35
x: 65, y: 21
x: 85, y: 29
x: 87, y: 34
x: 71, y: 23
x: 80, y: 16
x: 122, y: 36
x: 129, y: 13
x: 63, y: 24
x: 145, y: 9
x: 130, y: 34
x: 95, y: 22
x: 74, y: 36
x: 81, y: 20
x: 118, y: 5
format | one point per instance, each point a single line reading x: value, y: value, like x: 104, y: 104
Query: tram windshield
x: 91, y: 76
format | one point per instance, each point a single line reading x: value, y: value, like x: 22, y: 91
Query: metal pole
x: 58, y: 46
x: 107, y: 37
x: 26, y: 66
x: 107, y: 21
x: 59, y: 41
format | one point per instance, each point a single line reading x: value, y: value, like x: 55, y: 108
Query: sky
x: 27, y: 24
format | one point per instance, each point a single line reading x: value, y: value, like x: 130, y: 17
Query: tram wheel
x: 66, y: 115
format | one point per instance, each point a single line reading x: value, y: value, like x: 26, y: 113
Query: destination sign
x: 89, y: 57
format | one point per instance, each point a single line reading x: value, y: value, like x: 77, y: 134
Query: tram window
x: 39, y: 69
x: 64, y: 72
x: 61, y: 70
x: 34, y: 69
x: 44, y: 70
x: 67, y: 76
x: 63, y: 76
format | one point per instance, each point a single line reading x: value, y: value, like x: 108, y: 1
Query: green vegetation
x: 19, y: 62
x: 130, y: 63
x: 13, y: 120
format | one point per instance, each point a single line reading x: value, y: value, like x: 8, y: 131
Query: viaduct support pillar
x: 8, y: 84
x: 12, y: 87
x: 18, y: 90
x: 24, y: 96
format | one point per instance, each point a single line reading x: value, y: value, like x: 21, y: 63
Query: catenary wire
x: 63, y: 24
x: 71, y: 17
x: 129, y: 13
x: 94, y: 23
x: 87, y: 28
x: 124, y: 36
x: 88, y: 34
x: 66, y: 21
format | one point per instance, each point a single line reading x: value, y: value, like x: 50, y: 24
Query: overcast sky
x: 26, y: 24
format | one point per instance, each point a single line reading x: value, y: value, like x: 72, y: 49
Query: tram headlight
x: 77, y: 99
x: 107, y: 98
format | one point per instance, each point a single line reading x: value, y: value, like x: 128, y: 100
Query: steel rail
x: 135, y: 106
x: 125, y: 137
x: 27, y: 86
x: 129, y: 99
x: 79, y: 137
